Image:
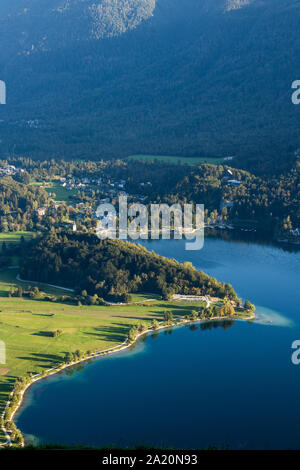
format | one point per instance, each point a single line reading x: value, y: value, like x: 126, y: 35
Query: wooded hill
x: 112, y: 268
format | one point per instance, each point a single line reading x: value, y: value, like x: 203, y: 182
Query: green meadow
x: 192, y: 161
x: 15, y: 237
x: 26, y: 326
x: 8, y: 280
x: 61, y: 194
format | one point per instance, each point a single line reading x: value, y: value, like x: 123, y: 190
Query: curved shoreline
x: 121, y: 347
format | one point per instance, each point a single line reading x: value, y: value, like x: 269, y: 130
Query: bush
x: 56, y: 333
x: 126, y: 298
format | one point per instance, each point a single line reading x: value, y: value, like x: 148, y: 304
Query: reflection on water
x: 214, y: 383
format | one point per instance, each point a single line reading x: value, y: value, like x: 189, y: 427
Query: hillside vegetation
x: 182, y: 77
x: 112, y: 268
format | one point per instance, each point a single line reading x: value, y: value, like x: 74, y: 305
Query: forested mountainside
x: 109, y: 78
x: 43, y: 25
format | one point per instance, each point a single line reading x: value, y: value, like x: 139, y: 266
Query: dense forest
x: 262, y: 203
x: 113, y: 268
x: 18, y: 203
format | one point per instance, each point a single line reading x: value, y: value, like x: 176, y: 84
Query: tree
x: 12, y: 291
x: 133, y: 332
x: 194, y: 315
x: 56, y: 333
x: 20, y: 292
x: 167, y: 295
x: 127, y: 298
x: 155, y: 324
x: 78, y: 355
x: 227, y: 309
x: 249, y: 306
x: 35, y: 293
x: 68, y: 358
x: 142, y: 326
x: 168, y: 317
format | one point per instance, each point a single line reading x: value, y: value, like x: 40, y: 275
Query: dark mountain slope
x: 170, y: 77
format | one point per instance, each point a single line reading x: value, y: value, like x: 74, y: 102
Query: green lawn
x: 144, y: 297
x: 183, y: 160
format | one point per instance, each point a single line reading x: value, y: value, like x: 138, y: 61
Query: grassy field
x: 8, y: 280
x: 182, y: 160
x: 14, y: 237
x: 144, y: 297
x: 26, y: 326
x: 61, y: 194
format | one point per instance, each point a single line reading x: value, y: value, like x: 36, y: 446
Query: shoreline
x: 121, y: 347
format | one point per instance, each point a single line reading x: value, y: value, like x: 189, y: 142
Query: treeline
x: 112, y: 268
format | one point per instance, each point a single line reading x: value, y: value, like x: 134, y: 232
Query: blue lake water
x: 227, y: 385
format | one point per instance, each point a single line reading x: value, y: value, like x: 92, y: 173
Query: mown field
x: 61, y: 194
x: 192, y: 161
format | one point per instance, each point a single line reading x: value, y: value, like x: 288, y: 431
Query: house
x: 234, y: 182
x: 228, y: 159
x: 228, y: 204
x: 41, y: 211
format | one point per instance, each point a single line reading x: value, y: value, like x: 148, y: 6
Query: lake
x: 226, y: 384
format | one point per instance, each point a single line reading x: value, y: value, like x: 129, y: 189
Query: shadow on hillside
x: 177, y: 310
x: 44, y: 358
x: 114, y: 333
x: 46, y: 334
